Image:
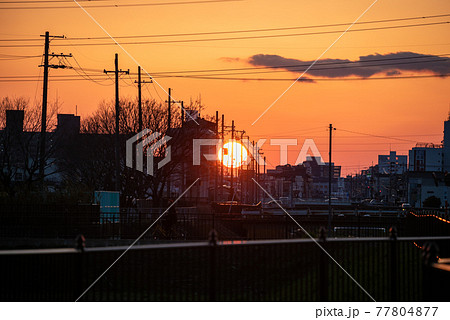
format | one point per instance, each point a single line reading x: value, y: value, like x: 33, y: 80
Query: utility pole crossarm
x: 118, y: 71
x: 57, y: 66
x: 49, y: 36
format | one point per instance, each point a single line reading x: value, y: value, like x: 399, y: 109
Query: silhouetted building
x: 14, y: 120
x: 447, y: 145
x: 423, y: 185
x: 426, y: 157
x: 306, y: 180
x: 392, y: 163
x: 68, y: 124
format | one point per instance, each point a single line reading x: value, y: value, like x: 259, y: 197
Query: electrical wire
x: 48, y: 1
x: 209, y: 77
x: 312, y: 80
x: 361, y: 64
x: 157, y: 93
x: 294, y: 69
x: 241, y: 31
x: 298, y: 65
x: 375, y: 135
x: 117, y: 5
x: 17, y: 79
x: 236, y: 38
x: 38, y: 80
x: 99, y: 82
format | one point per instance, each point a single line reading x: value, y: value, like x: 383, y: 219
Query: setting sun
x: 234, y: 154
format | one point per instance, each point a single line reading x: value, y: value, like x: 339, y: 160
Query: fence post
x: 78, y: 272
x: 358, y: 217
x: 393, y: 262
x: 431, y: 285
x: 212, y: 264
x: 323, y: 266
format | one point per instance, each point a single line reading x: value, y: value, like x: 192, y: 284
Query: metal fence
x: 277, y: 270
x: 64, y: 223
x: 50, y: 226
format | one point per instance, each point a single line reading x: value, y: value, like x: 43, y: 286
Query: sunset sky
x: 411, y: 109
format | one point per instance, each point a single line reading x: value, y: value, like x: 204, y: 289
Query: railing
x: 50, y: 226
x: 389, y: 269
x: 185, y: 224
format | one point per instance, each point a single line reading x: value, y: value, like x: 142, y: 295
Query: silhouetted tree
x: 91, y: 161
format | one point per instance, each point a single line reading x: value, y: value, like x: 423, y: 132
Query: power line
x: 12, y: 59
x: 250, y: 79
x: 298, y: 65
x: 87, y: 76
x: 289, y: 69
x: 243, y: 31
x: 265, y: 29
x: 46, y: 1
x: 364, y: 65
x: 18, y: 56
x: 365, y: 136
x: 54, y: 76
x: 39, y: 78
x: 115, y: 5
x: 365, y: 62
x: 52, y: 79
x: 312, y: 79
x: 237, y: 38
x: 376, y: 135
x: 161, y: 74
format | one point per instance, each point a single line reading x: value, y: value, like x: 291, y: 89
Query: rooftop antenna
x: 76, y: 110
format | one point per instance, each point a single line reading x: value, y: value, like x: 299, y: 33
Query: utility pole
x: 216, y: 167
x: 46, y: 66
x: 140, y: 82
x: 182, y: 113
x: 254, y: 190
x: 241, y: 169
x: 169, y: 107
x: 169, y: 114
x: 264, y: 176
x: 169, y: 126
x: 116, y: 134
x: 330, y: 177
x: 221, y: 164
x: 248, y: 170
x: 258, y: 170
x: 232, y: 156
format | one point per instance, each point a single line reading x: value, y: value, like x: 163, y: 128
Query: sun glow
x: 234, y: 154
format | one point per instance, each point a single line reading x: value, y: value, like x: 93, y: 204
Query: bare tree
x: 134, y: 183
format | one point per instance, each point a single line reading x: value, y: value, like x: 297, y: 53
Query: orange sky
x: 412, y: 109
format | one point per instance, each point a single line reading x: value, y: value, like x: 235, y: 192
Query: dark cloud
x: 230, y: 59
x: 389, y: 64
